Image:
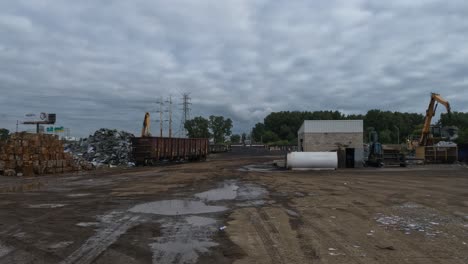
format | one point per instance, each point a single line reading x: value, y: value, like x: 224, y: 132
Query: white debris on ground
x: 104, y: 147
x: 412, y: 217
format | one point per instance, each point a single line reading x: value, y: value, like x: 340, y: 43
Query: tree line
x: 281, y: 127
x: 216, y: 127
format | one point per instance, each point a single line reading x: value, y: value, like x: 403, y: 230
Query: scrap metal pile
x: 104, y: 147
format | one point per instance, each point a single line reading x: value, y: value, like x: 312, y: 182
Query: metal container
x: 152, y: 150
x: 312, y: 160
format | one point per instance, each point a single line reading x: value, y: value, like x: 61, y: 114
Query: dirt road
x: 236, y: 208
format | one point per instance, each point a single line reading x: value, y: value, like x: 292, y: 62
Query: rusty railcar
x: 152, y: 150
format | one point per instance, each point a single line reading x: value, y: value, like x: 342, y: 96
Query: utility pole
x: 170, y: 115
x: 398, y: 134
x: 185, y: 112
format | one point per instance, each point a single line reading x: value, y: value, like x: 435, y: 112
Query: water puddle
x: 200, y: 221
x: 251, y: 192
x: 183, y: 240
x: 183, y: 237
x: 254, y: 203
x: 59, y: 245
x: 264, y: 167
x: 87, y: 224
x: 226, y: 192
x: 46, y: 205
x: 78, y: 194
x: 176, y: 207
x: 231, y: 190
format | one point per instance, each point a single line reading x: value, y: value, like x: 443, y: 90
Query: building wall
x: 333, y: 142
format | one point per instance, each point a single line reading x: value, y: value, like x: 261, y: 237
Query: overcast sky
x: 104, y: 63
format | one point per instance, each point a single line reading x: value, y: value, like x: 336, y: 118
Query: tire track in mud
x: 260, y: 223
x: 104, y: 237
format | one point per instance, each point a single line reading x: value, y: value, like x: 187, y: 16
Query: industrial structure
x: 342, y: 136
x: 430, y: 149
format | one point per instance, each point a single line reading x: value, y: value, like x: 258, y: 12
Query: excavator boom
x: 145, y: 131
x: 430, y: 112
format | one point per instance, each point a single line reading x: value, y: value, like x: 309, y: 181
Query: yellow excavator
x: 145, y: 131
x: 426, y: 139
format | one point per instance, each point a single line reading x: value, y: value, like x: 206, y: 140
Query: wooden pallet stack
x: 25, y: 154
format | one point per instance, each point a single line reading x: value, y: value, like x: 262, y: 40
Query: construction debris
x: 26, y: 154
x: 104, y: 147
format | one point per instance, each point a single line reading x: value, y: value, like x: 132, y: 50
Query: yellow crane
x: 145, y: 131
x: 430, y: 112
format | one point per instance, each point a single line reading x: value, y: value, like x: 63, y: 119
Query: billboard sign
x: 60, y: 129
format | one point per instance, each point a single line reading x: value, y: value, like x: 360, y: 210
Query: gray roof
x: 332, y: 126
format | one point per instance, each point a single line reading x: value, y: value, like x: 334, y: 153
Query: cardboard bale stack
x: 36, y: 154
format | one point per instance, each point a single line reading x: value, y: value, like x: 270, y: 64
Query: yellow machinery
x: 145, y: 131
x: 425, y: 139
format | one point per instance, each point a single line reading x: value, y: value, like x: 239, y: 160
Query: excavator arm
x: 145, y: 131
x: 430, y: 112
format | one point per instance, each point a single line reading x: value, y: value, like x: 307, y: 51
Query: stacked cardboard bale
x: 26, y: 154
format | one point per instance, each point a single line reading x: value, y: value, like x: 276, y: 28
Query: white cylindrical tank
x: 312, y: 160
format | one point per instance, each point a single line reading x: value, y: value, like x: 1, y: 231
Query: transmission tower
x: 185, y: 112
x: 169, y: 110
x: 160, y: 104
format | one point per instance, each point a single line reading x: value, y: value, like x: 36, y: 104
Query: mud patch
x: 176, y: 207
x: 115, y: 225
x: 5, y: 250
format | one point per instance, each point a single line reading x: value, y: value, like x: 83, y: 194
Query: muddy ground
x: 236, y: 208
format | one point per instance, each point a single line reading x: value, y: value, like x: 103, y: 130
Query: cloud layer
x: 104, y: 63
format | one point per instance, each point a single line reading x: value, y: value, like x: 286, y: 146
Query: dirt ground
x: 237, y: 208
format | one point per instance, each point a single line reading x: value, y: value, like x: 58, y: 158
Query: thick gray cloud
x: 104, y: 63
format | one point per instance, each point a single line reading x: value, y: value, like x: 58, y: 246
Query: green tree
x: 286, y: 124
x: 243, y: 138
x: 220, y: 128
x: 235, y: 138
x: 462, y: 136
x: 4, y: 133
x: 197, y: 128
x: 270, y: 136
x: 258, y: 131
x: 385, y: 136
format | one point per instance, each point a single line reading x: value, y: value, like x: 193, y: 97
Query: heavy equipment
x: 145, y: 131
x: 375, y: 151
x: 426, y: 138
